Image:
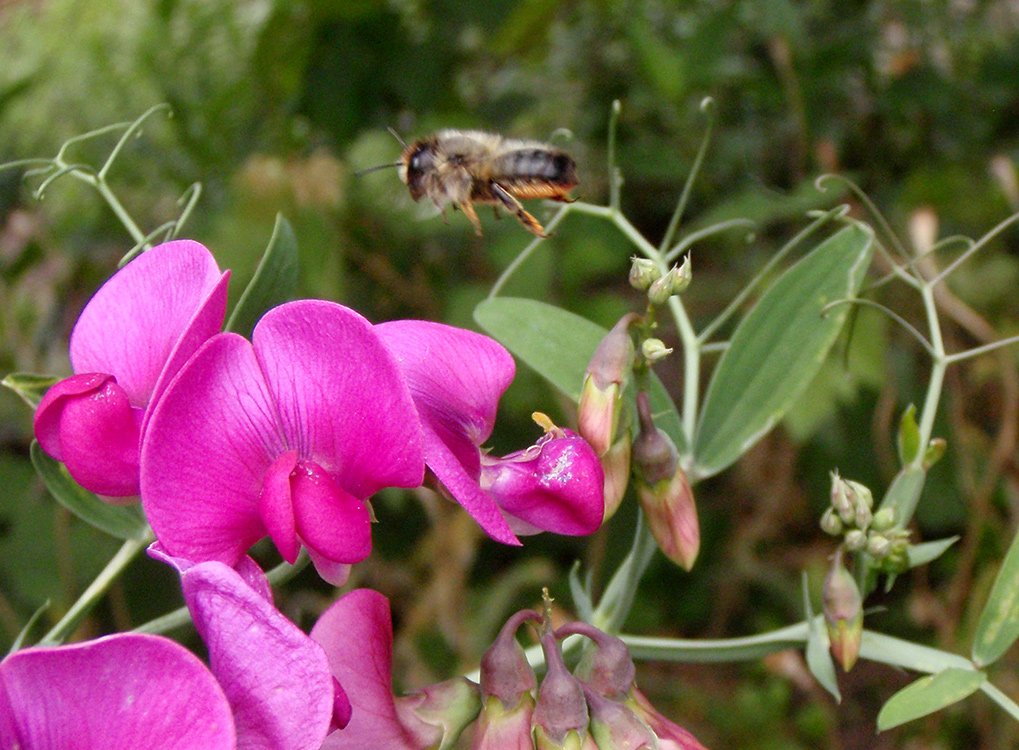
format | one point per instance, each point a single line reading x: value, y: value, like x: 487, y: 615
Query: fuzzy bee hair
x: 464, y: 167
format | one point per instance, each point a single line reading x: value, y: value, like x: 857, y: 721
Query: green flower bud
x: 878, y: 546
x: 855, y: 540
x: 883, y: 520
x: 831, y: 523
x: 654, y: 350
x: 643, y: 273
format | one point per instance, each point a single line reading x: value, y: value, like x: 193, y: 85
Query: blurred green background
x: 276, y: 105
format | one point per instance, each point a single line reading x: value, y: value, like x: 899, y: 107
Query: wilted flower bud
x: 616, y: 465
x: 831, y: 523
x: 507, y: 685
x: 843, y: 613
x: 654, y: 350
x: 448, y: 706
x: 643, y: 273
x: 560, y: 716
x: 673, y: 282
x: 664, y: 491
x: 600, y: 396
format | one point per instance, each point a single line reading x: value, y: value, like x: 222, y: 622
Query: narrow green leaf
x: 897, y: 652
x: 778, y: 347
x: 903, y: 494
x: 929, y: 694
x: 558, y: 344
x: 998, y: 626
x: 818, y: 651
x: 921, y: 554
x: 908, y: 439
x: 274, y: 282
x: 30, y: 387
x: 122, y: 521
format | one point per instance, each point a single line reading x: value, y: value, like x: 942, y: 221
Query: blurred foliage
x: 276, y: 104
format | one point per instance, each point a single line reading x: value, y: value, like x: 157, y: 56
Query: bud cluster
x: 645, y: 276
x: 595, y: 706
x: 852, y: 516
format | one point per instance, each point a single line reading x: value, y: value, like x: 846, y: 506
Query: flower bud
x: 616, y: 465
x: 654, y: 350
x: 843, y: 613
x: 831, y: 523
x: 560, y: 716
x: 883, y: 520
x: 673, y: 282
x: 507, y: 684
x: 878, y: 546
x: 670, y: 735
x: 448, y: 706
x: 643, y: 273
x: 841, y: 499
x: 616, y: 727
x: 855, y: 540
x: 607, y: 669
x: 935, y: 450
x: 600, y: 396
x: 664, y: 491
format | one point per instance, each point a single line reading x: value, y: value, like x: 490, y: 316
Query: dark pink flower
x: 356, y: 633
x: 284, y: 436
x: 122, y: 692
x: 276, y: 678
x: 129, y: 341
x: 456, y: 378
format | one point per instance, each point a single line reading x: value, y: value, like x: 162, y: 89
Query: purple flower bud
x: 616, y: 727
x: 560, y: 715
x: 600, y: 398
x: 843, y: 613
x: 664, y: 491
x: 608, y: 669
x: 505, y: 673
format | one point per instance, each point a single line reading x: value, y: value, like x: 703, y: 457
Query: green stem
x: 88, y: 599
x: 937, y: 377
x: 529, y: 250
x: 615, y: 604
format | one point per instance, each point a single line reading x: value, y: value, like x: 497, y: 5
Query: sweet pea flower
x: 456, y: 378
x: 121, y: 692
x: 285, y: 436
x: 129, y: 341
x: 275, y: 677
x: 356, y: 633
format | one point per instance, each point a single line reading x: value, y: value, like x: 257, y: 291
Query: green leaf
x: 921, y: 554
x: 122, y: 521
x: 778, y: 348
x: 558, y: 344
x: 929, y: 694
x: 904, y: 493
x: 908, y: 439
x: 998, y: 626
x: 274, y: 282
x: 30, y: 387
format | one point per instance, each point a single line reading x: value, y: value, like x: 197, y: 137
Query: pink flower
x: 121, y: 692
x: 129, y: 341
x: 275, y: 677
x: 456, y: 378
x: 356, y: 633
x: 283, y: 436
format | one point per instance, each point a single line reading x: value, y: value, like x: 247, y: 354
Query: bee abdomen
x: 536, y: 164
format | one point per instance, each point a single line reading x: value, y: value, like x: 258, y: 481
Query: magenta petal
x: 456, y: 377
x: 276, y: 506
x: 87, y: 422
x: 340, y: 396
x: 557, y: 485
x: 465, y: 489
x: 133, y: 324
x: 276, y: 678
x: 356, y: 633
x: 123, y: 692
x: 209, y: 441
x: 330, y: 521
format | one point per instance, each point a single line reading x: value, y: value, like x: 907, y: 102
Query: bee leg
x: 517, y: 209
x: 468, y: 208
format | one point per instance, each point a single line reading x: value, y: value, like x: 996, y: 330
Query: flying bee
x: 464, y: 167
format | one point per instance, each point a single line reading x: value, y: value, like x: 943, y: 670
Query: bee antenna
x: 376, y: 168
x: 392, y: 132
